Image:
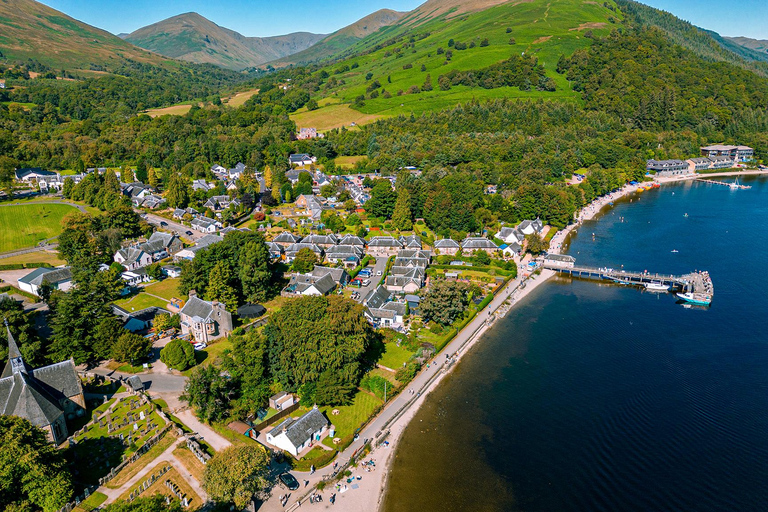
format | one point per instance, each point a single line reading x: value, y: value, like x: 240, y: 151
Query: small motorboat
x: 674, y: 250
x: 656, y: 286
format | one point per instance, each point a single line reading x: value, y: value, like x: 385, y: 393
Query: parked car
x: 163, y: 223
x: 200, y: 346
x: 378, y: 272
x: 366, y: 282
x: 188, y: 233
x: 289, y: 481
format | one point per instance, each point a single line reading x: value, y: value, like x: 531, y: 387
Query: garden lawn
x: 351, y: 417
x: 394, y: 356
x: 209, y: 355
x: 167, y: 288
x: 32, y: 223
x: 140, y: 301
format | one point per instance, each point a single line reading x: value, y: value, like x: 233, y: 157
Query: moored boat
x: 656, y: 286
x: 699, y: 299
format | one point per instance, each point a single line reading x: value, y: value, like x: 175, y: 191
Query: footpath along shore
x: 367, y: 494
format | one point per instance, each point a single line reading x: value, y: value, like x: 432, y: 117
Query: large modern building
x: 739, y: 153
x: 45, y: 396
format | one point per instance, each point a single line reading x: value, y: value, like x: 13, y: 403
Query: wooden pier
x: 725, y: 183
x: 696, y: 282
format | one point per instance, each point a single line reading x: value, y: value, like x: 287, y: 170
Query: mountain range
x: 191, y: 37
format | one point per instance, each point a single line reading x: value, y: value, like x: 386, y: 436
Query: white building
x: 296, y: 435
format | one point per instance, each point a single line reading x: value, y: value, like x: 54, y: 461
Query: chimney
x: 192, y: 293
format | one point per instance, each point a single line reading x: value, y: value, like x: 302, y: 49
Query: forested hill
x: 704, y: 43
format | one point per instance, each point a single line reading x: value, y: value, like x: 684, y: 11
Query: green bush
x: 377, y: 385
x: 178, y: 354
x: 406, y: 374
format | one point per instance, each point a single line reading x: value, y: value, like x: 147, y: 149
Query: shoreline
x: 370, y: 491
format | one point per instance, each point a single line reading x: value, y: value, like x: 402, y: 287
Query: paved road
x: 179, y: 229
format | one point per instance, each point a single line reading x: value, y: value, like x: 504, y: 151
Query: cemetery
x: 119, y: 433
x: 165, y: 479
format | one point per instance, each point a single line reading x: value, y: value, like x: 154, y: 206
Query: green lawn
x: 91, y: 502
x: 32, y: 223
x: 351, y: 417
x: 394, y: 356
x: 209, y: 355
x: 167, y: 289
x: 140, y: 301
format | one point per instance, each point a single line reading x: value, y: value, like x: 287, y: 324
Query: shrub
x: 406, y: 374
x: 178, y: 354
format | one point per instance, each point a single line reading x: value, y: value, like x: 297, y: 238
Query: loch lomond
x: 591, y: 396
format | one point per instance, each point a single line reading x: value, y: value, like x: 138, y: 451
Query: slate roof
x: 299, y: 431
x: 295, y: 248
x: 286, y: 237
x: 130, y: 255
x: 475, y: 243
x: 320, y: 239
x: 352, y: 240
x: 377, y: 298
x: 197, y: 308
x: 27, y: 279
x: 47, y: 275
x: 411, y: 241
x: 337, y: 274
x: 299, y: 283
x: 384, y: 241
x: 336, y: 250
x: 446, y: 243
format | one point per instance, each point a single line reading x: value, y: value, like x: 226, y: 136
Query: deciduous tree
x: 235, y: 474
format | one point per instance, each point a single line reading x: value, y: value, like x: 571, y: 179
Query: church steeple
x: 15, y: 362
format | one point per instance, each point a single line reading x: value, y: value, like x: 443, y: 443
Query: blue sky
x: 267, y: 18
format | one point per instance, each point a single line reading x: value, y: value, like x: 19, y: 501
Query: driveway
x: 380, y: 266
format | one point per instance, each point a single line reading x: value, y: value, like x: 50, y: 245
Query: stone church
x: 45, y: 396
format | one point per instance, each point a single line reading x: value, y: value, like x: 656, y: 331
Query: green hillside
x: 193, y: 38
x: 401, y: 56
x: 31, y: 30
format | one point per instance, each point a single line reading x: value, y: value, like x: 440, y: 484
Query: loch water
x: 599, y: 397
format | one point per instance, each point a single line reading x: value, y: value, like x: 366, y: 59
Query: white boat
x: 734, y: 185
x: 698, y: 299
x: 674, y: 250
x: 655, y: 286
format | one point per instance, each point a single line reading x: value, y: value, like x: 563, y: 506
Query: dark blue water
x: 592, y: 397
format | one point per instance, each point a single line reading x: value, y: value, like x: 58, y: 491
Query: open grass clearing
x: 394, y: 356
x: 32, y: 223
x: 332, y: 116
x: 167, y: 288
x: 351, y: 417
x: 239, y: 99
x: 52, y: 258
x: 348, y: 162
x: 173, y: 110
x: 140, y: 301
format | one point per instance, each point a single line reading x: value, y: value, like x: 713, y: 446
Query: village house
x: 410, y: 242
x: 349, y: 255
x: 531, y: 227
x: 203, y: 185
x: 510, y: 235
x: 292, y: 250
x: 55, y: 278
x: 384, y: 246
x: 511, y: 250
x: 446, y: 246
x: 297, y: 435
x: 33, y: 174
x: 133, y: 279
x: 218, y: 204
x: 286, y: 239
x: 188, y: 253
x: 204, y: 320
x: 309, y: 284
x: 275, y: 250
x: 171, y: 271
x: 324, y: 241
x: 471, y: 244
x: 353, y: 240
x: 308, y: 133
x: 45, y: 396
x: 205, y: 225
x: 138, y: 321
x: 132, y: 258
x: 219, y: 171
x: 301, y: 159
x: 381, y: 311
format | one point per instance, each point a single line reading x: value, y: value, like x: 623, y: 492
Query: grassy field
x: 139, y: 302
x: 351, y: 417
x: 173, y: 110
x: 239, y: 99
x: 394, y: 356
x: 348, y: 162
x: 167, y: 289
x: 32, y: 223
x: 52, y: 258
x: 209, y: 355
x: 331, y: 116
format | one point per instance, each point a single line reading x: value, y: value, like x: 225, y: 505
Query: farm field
x: 331, y: 116
x: 239, y: 99
x: 173, y: 110
x: 30, y: 224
